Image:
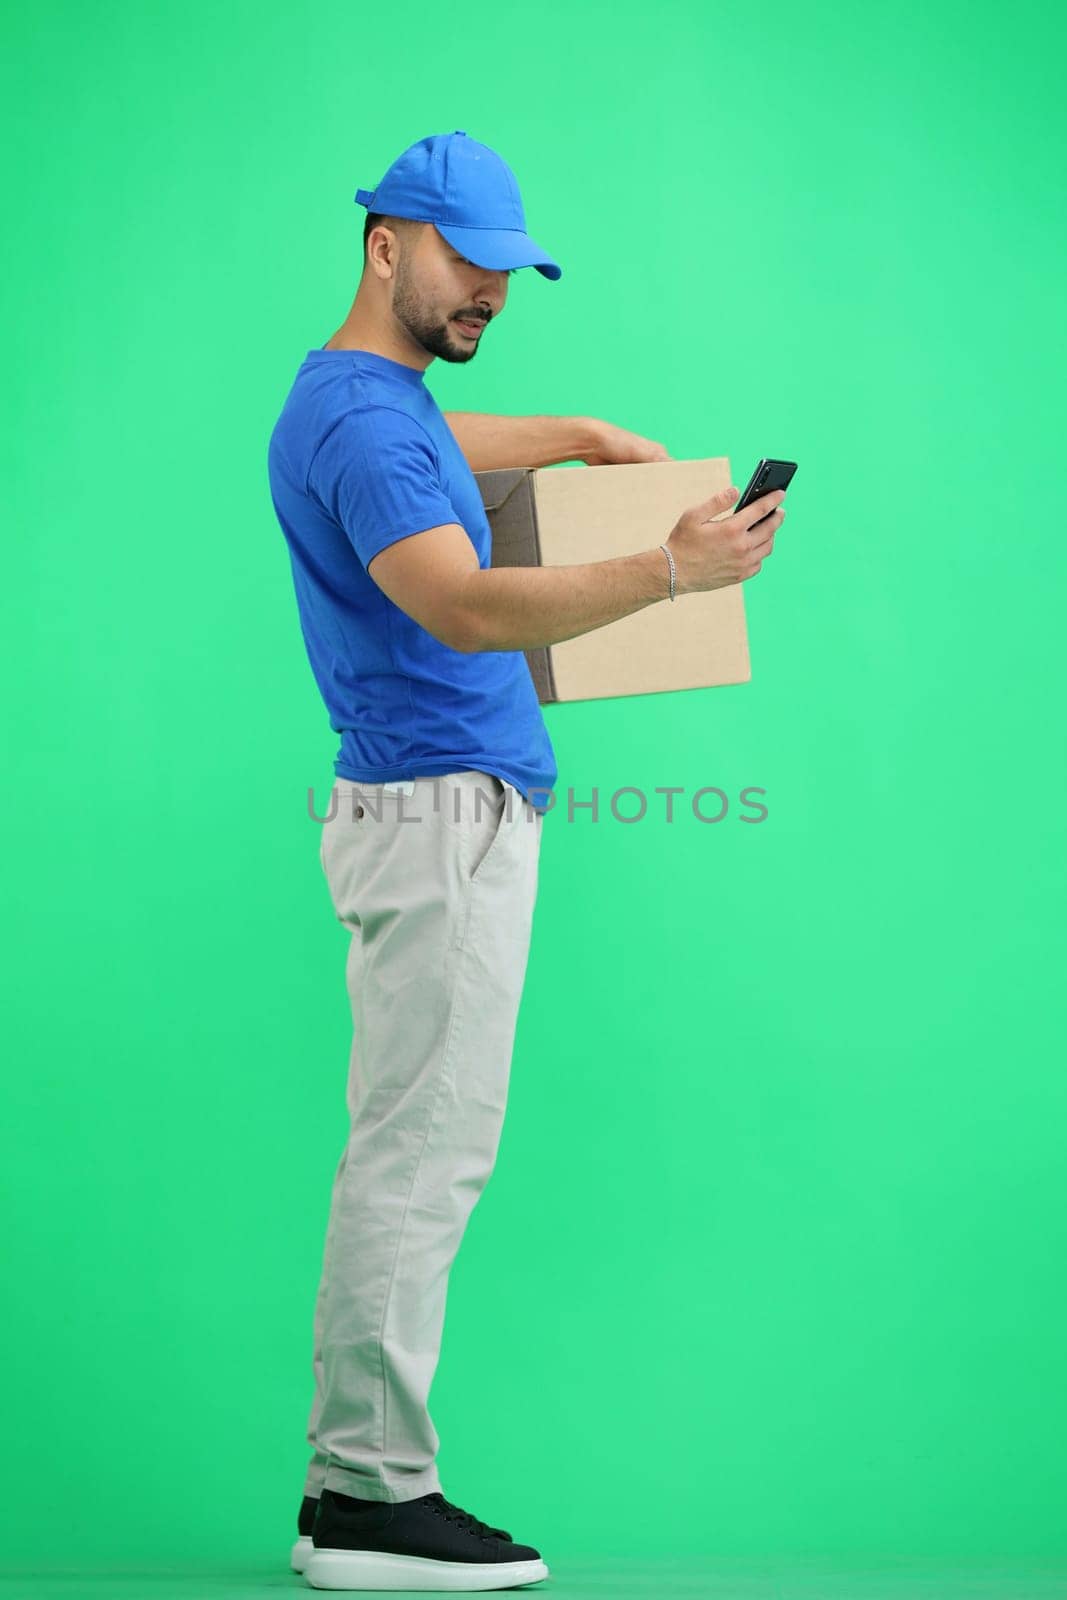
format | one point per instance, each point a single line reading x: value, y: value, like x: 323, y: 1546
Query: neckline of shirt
x: 412, y: 374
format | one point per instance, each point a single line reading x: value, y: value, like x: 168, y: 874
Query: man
x: 430, y: 849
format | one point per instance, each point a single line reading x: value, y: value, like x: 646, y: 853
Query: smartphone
x: 769, y: 474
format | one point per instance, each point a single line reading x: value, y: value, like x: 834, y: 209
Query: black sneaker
x: 427, y: 1543
x: 300, y: 1554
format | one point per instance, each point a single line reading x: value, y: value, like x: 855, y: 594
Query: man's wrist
x: 658, y: 569
x: 591, y: 433
x: 672, y: 573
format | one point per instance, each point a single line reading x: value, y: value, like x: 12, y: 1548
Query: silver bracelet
x: 670, y: 558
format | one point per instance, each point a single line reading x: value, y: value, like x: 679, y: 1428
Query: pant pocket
x: 475, y: 812
x: 487, y: 822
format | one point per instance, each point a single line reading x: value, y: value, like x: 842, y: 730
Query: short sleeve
x: 376, y: 474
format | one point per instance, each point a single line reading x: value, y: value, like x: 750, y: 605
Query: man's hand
x: 614, y: 447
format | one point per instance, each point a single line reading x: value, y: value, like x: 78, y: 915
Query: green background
x: 774, y: 1249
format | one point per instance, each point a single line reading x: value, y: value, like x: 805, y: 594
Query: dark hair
x: 377, y: 219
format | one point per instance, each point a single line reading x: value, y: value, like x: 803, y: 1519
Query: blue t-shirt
x: 361, y: 456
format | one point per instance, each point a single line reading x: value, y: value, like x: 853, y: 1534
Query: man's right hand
x: 712, y: 551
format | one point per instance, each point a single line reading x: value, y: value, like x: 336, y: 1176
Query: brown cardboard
x: 551, y: 516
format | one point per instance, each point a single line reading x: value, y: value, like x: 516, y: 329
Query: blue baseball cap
x: 471, y: 197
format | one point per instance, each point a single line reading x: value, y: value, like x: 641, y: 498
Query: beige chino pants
x: 436, y: 881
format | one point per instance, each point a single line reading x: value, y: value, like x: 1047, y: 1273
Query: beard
x: 437, y: 335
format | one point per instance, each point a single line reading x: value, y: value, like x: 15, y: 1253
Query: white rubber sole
x: 300, y: 1554
x: 371, y: 1569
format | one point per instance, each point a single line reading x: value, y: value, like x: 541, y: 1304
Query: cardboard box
x: 551, y: 516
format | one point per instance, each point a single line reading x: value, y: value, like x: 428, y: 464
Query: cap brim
x: 500, y: 249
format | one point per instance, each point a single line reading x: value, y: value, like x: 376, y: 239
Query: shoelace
x: 463, y: 1519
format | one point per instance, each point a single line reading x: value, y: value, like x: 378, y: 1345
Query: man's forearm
x: 525, y: 608
x: 490, y: 441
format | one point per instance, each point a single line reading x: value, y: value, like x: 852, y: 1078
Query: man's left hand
x: 614, y: 447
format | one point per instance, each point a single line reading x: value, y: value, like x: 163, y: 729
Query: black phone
x: 769, y: 474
